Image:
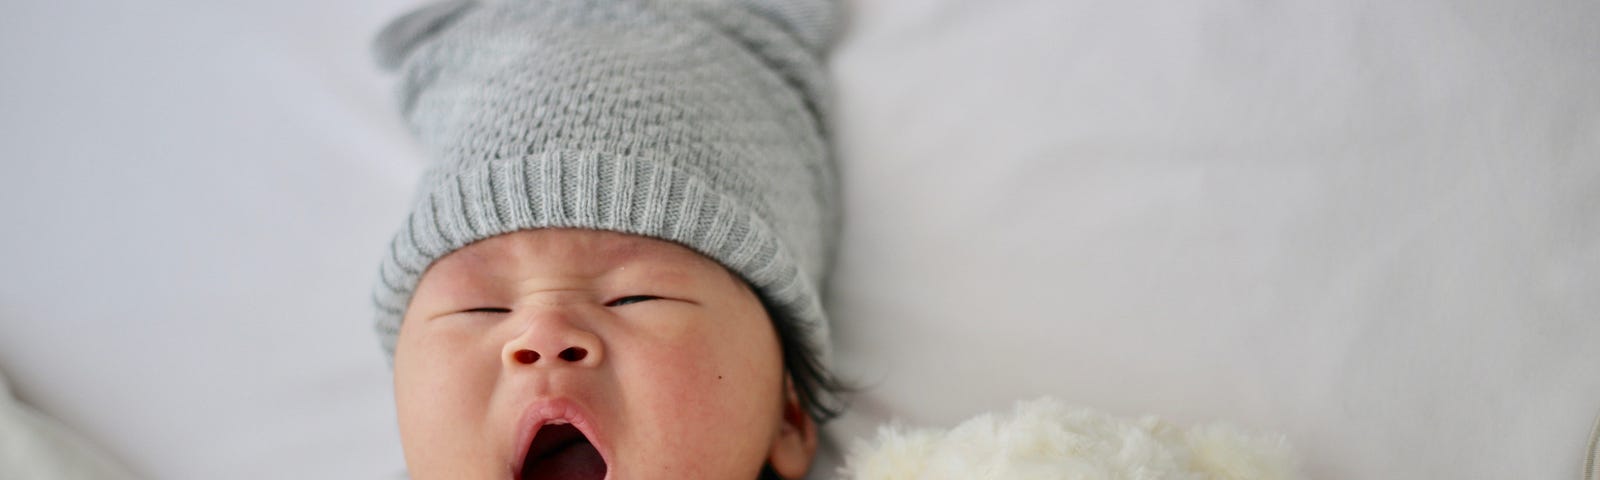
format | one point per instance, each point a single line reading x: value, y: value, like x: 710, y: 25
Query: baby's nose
x: 554, y: 339
x: 570, y: 354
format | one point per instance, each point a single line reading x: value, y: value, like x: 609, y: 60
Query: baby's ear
x: 796, y: 445
x: 402, y: 35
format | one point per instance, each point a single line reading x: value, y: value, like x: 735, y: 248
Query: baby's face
x: 661, y: 363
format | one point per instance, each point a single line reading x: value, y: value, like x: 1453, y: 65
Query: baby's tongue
x: 578, y: 461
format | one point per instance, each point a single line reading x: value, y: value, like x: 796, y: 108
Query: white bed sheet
x: 1373, y: 226
x: 195, y: 198
x: 35, y: 446
x: 1369, y: 225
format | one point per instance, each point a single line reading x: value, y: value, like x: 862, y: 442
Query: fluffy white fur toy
x: 1045, y: 439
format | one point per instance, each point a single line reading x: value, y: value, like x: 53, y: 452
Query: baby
x: 612, y: 269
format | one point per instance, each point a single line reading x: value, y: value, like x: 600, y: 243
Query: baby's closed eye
x: 631, y: 299
x: 488, y: 310
x: 627, y: 300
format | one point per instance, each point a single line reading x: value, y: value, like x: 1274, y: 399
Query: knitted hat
x: 699, y: 122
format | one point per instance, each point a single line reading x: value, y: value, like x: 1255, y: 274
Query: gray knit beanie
x: 700, y: 122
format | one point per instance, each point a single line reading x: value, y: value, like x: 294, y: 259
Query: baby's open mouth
x: 560, y: 451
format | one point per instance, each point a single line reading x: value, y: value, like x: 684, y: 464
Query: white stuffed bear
x: 1045, y: 439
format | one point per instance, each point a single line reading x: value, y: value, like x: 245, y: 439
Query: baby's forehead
x: 572, y: 260
x: 576, y: 250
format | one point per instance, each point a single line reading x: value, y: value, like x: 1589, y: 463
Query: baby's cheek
x: 441, y: 397
x: 706, y: 364
x: 706, y: 415
x: 708, y: 384
x: 428, y: 360
x: 686, y: 378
